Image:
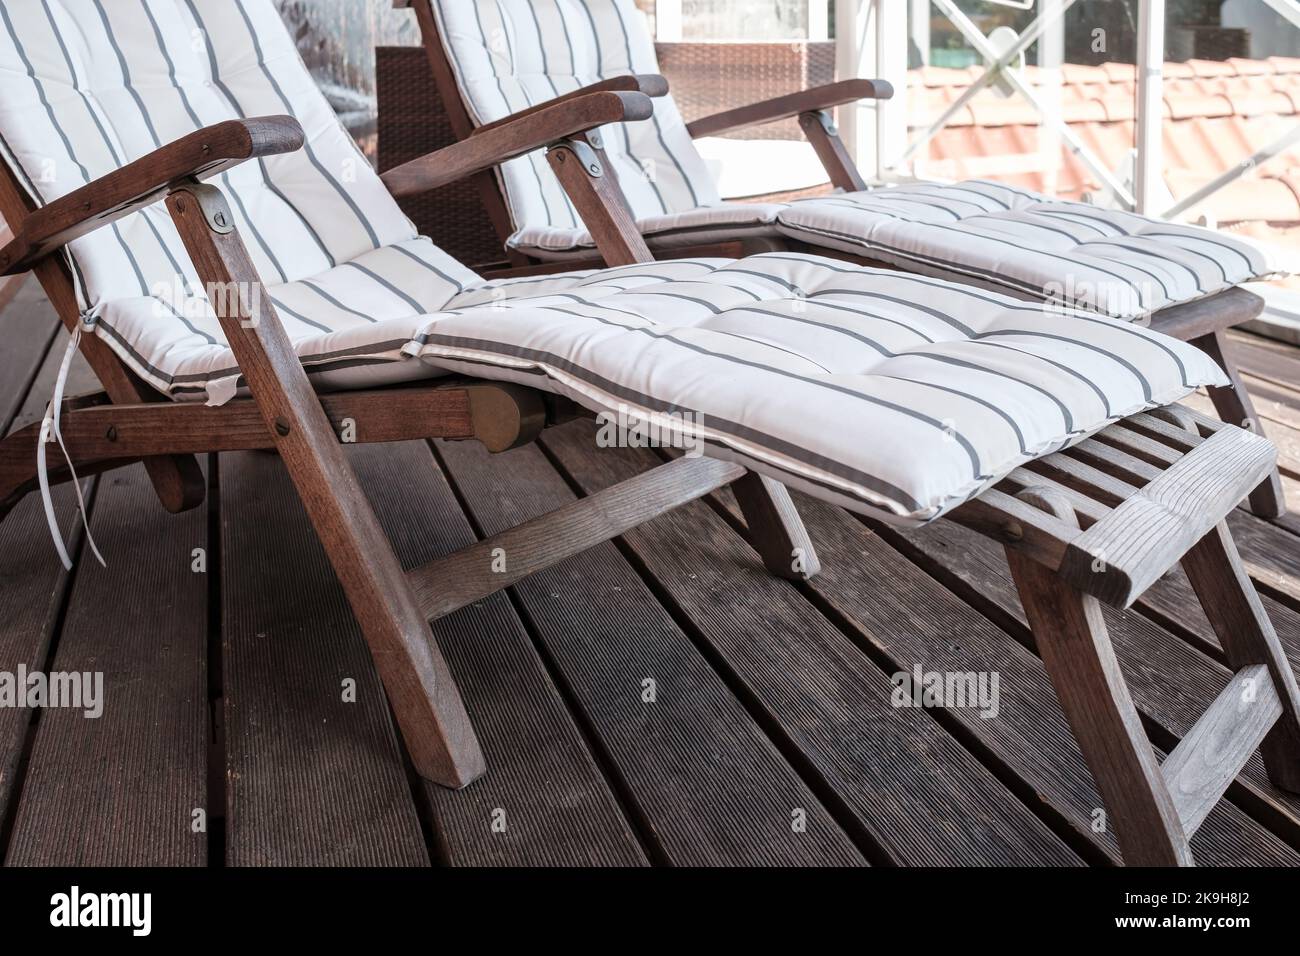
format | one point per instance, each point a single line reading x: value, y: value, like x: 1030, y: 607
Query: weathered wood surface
x: 776, y: 694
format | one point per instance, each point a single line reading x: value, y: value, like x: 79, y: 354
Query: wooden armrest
x: 651, y: 84
x: 545, y: 126
x: 201, y: 154
x: 793, y: 104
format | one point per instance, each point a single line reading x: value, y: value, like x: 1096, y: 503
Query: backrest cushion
x: 87, y: 86
x: 509, y: 55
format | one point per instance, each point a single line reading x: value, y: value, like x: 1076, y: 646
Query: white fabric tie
x: 50, y: 433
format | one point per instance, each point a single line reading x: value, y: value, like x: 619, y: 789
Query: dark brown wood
x: 606, y: 632
x: 825, y: 97
x: 584, y: 171
x: 200, y: 155
x: 450, y: 583
x: 651, y: 84
x: 107, y: 432
x: 424, y: 697
x: 1234, y: 405
x: 123, y: 789
x: 827, y: 704
x: 1071, y: 636
x: 776, y: 529
x: 486, y: 150
x: 834, y: 155
x: 560, y: 809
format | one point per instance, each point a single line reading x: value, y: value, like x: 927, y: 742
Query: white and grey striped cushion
x: 1116, y: 263
x: 896, y: 395
x: 512, y: 54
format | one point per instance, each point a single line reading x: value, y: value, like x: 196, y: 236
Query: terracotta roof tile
x: 1218, y: 115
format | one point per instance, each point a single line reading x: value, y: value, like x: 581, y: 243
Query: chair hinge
x: 212, y: 204
x: 585, y: 155
x: 827, y: 122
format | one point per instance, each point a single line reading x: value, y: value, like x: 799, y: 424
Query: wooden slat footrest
x: 1212, y: 754
x: 1140, y: 494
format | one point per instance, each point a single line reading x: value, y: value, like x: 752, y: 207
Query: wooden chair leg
x: 1247, y: 636
x: 1235, y: 407
x: 419, y: 684
x: 1072, y: 639
x: 775, y: 528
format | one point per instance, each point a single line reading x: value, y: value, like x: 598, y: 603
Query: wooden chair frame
x: 1203, y: 323
x: 1102, y: 520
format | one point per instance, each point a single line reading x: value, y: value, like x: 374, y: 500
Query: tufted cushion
x: 511, y: 54
x: 1113, y: 262
x: 895, y: 395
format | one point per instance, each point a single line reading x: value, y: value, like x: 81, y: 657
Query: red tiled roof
x: 1217, y: 114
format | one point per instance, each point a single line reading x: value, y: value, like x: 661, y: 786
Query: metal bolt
x: 281, y: 428
x: 111, y: 434
x: 220, y: 219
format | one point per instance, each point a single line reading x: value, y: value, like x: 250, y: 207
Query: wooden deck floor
x: 229, y: 735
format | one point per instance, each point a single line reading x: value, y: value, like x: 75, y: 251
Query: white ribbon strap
x: 50, y: 432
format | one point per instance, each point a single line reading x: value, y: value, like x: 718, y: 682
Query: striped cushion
x: 89, y: 85
x: 896, y: 395
x: 1113, y: 262
x: 512, y: 54
x: 707, y: 224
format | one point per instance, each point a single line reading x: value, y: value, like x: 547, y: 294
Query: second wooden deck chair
x: 290, y: 293
x: 492, y: 60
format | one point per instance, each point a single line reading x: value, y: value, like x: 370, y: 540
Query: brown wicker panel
x: 412, y: 122
x: 707, y: 78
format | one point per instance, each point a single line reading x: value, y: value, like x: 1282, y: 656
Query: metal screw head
x: 111, y: 434
x: 282, y: 427
x: 220, y: 218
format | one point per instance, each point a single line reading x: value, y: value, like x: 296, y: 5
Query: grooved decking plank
x: 916, y: 792
x: 557, y: 807
x: 33, y: 584
x: 121, y: 789
x: 1171, y: 682
x: 709, y: 785
x: 310, y: 779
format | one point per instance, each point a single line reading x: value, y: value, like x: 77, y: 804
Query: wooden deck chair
x: 258, y: 263
x: 492, y: 60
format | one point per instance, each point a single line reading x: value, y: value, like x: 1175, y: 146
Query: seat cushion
x: 351, y: 325
x: 1116, y: 263
x: 896, y: 395
x: 726, y: 222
